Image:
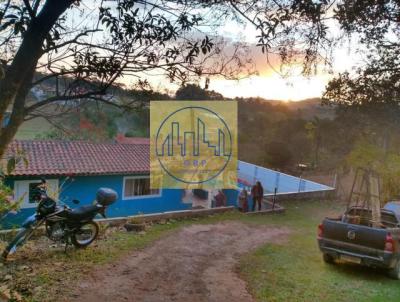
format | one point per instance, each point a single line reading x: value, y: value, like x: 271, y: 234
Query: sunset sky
x: 272, y: 85
x: 269, y: 83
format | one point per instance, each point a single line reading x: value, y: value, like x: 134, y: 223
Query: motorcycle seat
x: 83, y: 212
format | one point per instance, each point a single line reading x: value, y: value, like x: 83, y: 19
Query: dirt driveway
x: 196, y: 263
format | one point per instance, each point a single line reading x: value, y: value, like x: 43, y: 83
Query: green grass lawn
x: 294, y: 271
x: 30, y: 129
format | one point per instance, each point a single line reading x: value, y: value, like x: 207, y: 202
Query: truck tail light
x: 320, y: 230
x: 389, y: 246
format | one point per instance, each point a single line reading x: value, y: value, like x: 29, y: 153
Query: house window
x: 138, y: 187
x: 33, y: 189
x: 25, y: 189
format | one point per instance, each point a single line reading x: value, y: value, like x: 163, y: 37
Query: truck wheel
x: 328, y: 258
x: 394, y: 272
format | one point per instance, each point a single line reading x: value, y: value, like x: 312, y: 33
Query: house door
x: 24, y: 189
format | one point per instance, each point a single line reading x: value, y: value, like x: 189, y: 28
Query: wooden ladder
x: 365, y: 193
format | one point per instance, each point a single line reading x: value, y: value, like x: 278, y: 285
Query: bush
x: 7, y: 203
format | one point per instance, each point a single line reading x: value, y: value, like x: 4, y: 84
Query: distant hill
x: 67, y: 115
x: 305, y: 109
x: 309, y: 108
x: 32, y: 128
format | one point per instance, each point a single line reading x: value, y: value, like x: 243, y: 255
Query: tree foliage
x: 386, y: 163
x: 7, y: 166
x: 376, y: 84
x: 195, y: 92
x: 87, y: 47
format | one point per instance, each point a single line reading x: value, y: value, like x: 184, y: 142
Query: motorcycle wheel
x: 18, y: 240
x: 85, y: 235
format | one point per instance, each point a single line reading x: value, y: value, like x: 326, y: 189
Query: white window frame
x: 138, y: 196
x: 21, y: 189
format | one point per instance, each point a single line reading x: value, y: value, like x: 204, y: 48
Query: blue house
x: 76, y: 169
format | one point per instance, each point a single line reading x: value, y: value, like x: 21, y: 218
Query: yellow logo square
x: 193, y: 144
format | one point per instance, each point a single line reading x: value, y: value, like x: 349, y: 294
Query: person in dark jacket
x: 257, y: 192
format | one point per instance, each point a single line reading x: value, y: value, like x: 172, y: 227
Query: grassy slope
x: 294, y: 271
x: 30, y: 129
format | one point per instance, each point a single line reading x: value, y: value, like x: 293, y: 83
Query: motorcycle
x: 63, y: 224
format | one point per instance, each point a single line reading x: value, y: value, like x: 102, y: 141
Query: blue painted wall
x: 84, y: 189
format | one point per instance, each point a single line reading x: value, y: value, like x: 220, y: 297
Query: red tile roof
x: 56, y: 157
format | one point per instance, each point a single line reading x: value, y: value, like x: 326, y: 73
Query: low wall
x: 167, y: 215
x: 119, y: 221
x: 270, y: 209
x: 326, y: 194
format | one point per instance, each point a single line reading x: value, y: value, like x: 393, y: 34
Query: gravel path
x: 194, y: 264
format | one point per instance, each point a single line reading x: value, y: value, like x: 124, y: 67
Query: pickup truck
x: 352, y: 238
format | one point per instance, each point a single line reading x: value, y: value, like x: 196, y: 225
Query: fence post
x: 274, y: 198
x: 299, y: 184
x: 255, y: 174
x: 277, y: 180
x: 334, y: 181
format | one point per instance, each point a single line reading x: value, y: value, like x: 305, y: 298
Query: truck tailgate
x: 356, y: 238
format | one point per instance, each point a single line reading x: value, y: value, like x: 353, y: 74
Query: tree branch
x: 63, y: 98
x: 29, y: 8
x: 36, y: 6
x: 72, y: 41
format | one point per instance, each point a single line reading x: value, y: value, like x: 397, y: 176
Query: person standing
x: 257, y: 192
x: 242, y: 205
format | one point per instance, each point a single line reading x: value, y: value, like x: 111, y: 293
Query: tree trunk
x: 17, y: 115
x: 18, y: 77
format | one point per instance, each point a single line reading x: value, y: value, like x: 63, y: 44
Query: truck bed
x: 352, y: 238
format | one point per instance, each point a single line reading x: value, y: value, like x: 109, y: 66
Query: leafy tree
x: 373, y: 90
x: 88, y: 47
x: 195, y: 92
x: 278, y: 155
x: 314, y: 134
